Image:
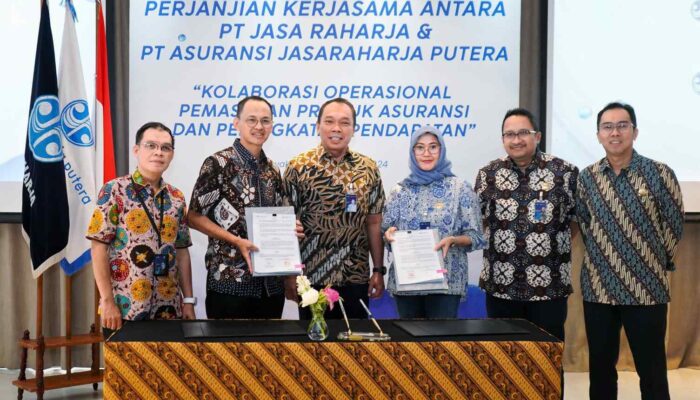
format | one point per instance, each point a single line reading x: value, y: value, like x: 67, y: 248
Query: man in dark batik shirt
x: 527, y: 202
x: 234, y: 178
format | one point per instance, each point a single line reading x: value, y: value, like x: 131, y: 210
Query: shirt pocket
x: 647, y: 200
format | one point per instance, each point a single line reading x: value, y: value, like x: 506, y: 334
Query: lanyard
x: 148, y: 213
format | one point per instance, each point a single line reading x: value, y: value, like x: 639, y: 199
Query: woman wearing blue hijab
x: 432, y: 197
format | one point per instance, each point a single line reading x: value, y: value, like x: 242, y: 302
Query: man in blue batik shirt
x: 631, y: 214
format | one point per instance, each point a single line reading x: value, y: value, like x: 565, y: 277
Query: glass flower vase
x: 318, y: 329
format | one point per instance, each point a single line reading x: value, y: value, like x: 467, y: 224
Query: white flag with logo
x: 78, y: 146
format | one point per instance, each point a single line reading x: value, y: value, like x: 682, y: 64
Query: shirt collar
x: 536, y: 159
x: 633, y: 166
x: 322, y: 154
x: 140, y: 184
x: 247, y: 156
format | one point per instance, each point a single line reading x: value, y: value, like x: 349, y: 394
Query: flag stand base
x: 40, y: 384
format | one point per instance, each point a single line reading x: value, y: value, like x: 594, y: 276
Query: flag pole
x: 103, y: 125
x: 96, y: 299
x: 40, y: 283
x: 40, y: 305
x: 69, y: 330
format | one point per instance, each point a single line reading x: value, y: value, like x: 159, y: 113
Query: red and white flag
x: 105, y: 166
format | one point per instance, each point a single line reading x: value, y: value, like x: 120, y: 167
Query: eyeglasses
x: 511, y: 135
x: 622, y: 127
x: 153, y: 146
x: 252, y: 122
x: 432, y: 149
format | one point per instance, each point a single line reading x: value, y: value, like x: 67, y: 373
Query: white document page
x: 274, y: 235
x: 415, y: 257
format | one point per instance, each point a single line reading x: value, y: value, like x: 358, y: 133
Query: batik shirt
x: 229, y: 181
x: 336, y: 247
x: 631, y: 225
x: 451, y: 207
x: 529, y: 255
x: 120, y: 221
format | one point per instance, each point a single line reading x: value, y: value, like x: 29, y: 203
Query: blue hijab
x: 443, y: 167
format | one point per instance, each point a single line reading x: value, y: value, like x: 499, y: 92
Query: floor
x: 685, y: 385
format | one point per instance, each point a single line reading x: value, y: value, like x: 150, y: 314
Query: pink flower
x: 331, y: 296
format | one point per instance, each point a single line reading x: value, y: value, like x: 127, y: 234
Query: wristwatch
x: 189, y: 300
x: 381, y: 270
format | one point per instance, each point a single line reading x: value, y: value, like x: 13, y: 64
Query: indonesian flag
x: 78, y: 146
x: 106, y: 169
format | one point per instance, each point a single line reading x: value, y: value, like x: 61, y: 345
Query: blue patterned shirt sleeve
x: 582, y: 213
x: 671, y: 207
x: 470, y: 217
x: 390, y: 216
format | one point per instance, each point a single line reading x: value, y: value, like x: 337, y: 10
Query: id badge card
x: 540, y: 207
x: 351, y: 202
x: 160, y: 265
x: 425, y: 222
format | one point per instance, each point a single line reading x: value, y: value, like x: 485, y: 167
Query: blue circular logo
x: 75, y: 123
x: 45, y: 130
x: 695, y: 10
x: 585, y: 112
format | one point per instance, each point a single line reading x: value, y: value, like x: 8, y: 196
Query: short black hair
x: 153, y: 125
x: 522, y: 112
x: 241, y: 104
x: 615, y: 105
x: 338, y: 100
